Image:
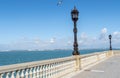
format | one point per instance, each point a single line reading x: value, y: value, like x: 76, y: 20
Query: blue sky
x: 41, y: 24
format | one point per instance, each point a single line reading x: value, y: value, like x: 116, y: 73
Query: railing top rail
x: 92, y: 54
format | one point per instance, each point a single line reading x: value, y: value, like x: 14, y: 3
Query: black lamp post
x: 110, y: 36
x: 74, y: 14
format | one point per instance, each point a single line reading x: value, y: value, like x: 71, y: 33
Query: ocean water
x: 14, y: 57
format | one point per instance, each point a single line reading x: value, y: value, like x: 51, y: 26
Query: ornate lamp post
x: 110, y: 36
x: 74, y: 14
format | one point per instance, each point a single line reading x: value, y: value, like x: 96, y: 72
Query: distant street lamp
x: 110, y: 36
x: 74, y: 14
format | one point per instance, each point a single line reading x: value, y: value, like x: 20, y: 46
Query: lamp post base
x: 76, y: 53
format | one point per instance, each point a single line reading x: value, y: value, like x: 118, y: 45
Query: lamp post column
x: 74, y: 15
x: 110, y: 36
x: 75, y: 45
x: 111, y: 52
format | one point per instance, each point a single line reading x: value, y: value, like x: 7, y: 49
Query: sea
x: 14, y: 57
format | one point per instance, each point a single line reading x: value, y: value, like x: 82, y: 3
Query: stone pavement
x: 109, y: 68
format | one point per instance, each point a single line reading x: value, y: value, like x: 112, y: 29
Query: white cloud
x: 104, y: 31
x: 103, y: 35
x: 83, y: 36
x: 84, y: 41
x: 116, y: 35
x: 52, y: 40
x: 37, y: 41
x: 69, y: 43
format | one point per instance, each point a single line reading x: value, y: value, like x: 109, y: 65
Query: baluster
x: 31, y: 73
x: 34, y: 72
x: 62, y: 67
x: 38, y: 70
x: 1, y: 75
x: 12, y: 75
x: 22, y: 74
x: 7, y: 75
x: 48, y: 71
x: 56, y: 67
x: 53, y: 70
x: 69, y: 66
x: 41, y: 71
x: 66, y: 66
x: 44, y: 71
x: 72, y: 65
x: 26, y: 73
x: 18, y: 74
x: 57, y: 72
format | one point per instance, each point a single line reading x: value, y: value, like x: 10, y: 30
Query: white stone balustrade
x: 54, y: 68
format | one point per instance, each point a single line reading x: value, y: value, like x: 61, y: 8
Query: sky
x: 47, y: 24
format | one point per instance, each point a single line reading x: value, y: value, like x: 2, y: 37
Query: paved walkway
x: 109, y: 68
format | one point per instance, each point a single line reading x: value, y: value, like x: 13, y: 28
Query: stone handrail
x: 116, y: 52
x: 54, y: 68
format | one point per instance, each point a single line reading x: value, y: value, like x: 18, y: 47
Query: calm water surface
x: 13, y: 57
